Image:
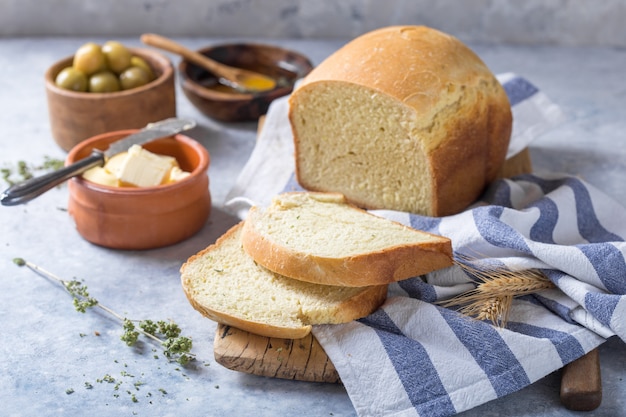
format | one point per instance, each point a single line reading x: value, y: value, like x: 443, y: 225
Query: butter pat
x: 102, y: 176
x: 137, y: 168
x: 177, y: 174
x: 114, y: 164
x: 142, y: 168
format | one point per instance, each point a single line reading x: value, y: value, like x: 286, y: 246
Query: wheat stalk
x: 496, y: 287
x: 495, y: 309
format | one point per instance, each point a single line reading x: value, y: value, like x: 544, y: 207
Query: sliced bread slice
x: 321, y: 238
x: 224, y: 284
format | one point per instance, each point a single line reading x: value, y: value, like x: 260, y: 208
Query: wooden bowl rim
x: 206, y: 93
x: 165, y: 67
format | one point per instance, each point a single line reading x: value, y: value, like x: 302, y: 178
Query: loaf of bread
x: 321, y: 238
x: 403, y: 118
x: 225, y: 284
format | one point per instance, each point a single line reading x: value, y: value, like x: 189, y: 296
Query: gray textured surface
x: 564, y: 22
x: 46, y: 347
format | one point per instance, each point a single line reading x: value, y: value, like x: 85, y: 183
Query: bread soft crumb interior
x: 326, y: 227
x: 354, y: 139
x: 227, y: 280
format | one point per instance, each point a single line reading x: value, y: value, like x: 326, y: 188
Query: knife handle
x: 27, y: 190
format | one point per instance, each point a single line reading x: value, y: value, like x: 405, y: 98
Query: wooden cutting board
x: 300, y: 359
x: 305, y: 359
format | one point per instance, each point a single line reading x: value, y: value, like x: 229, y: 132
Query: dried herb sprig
x: 496, y: 287
x: 166, y: 333
x: 24, y: 171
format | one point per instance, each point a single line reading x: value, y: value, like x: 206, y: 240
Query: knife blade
x: 152, y: 131
x: 34, y: 187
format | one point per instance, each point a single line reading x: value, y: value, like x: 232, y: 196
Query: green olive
x: 71, y: 79
x: 133, y: 77
x: 137, y: 61
x: 89, y: 59
x: 104, y: 82
x: 117, y: 56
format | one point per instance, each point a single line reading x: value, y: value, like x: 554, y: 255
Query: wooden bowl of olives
x: 109, y: 87
x: 224, y: 103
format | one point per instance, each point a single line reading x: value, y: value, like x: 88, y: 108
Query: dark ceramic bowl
x: 225, y: 104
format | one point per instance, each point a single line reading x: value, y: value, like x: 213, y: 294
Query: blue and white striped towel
x: 415, y: 358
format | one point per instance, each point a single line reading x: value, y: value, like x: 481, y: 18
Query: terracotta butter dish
x: 142, y: 217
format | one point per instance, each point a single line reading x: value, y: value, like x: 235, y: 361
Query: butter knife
x: 34, y: 187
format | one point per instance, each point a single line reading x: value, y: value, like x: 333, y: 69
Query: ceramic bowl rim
x: 199, y: 170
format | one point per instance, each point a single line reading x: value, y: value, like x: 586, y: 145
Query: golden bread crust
x: 379, y: 267
x: 458, y: 110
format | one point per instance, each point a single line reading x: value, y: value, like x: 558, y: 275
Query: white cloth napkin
x: 415, y: 358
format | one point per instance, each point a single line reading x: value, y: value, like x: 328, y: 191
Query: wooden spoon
x: 237, y: 78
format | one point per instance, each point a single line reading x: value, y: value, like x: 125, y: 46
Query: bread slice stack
x: 307, y: 259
